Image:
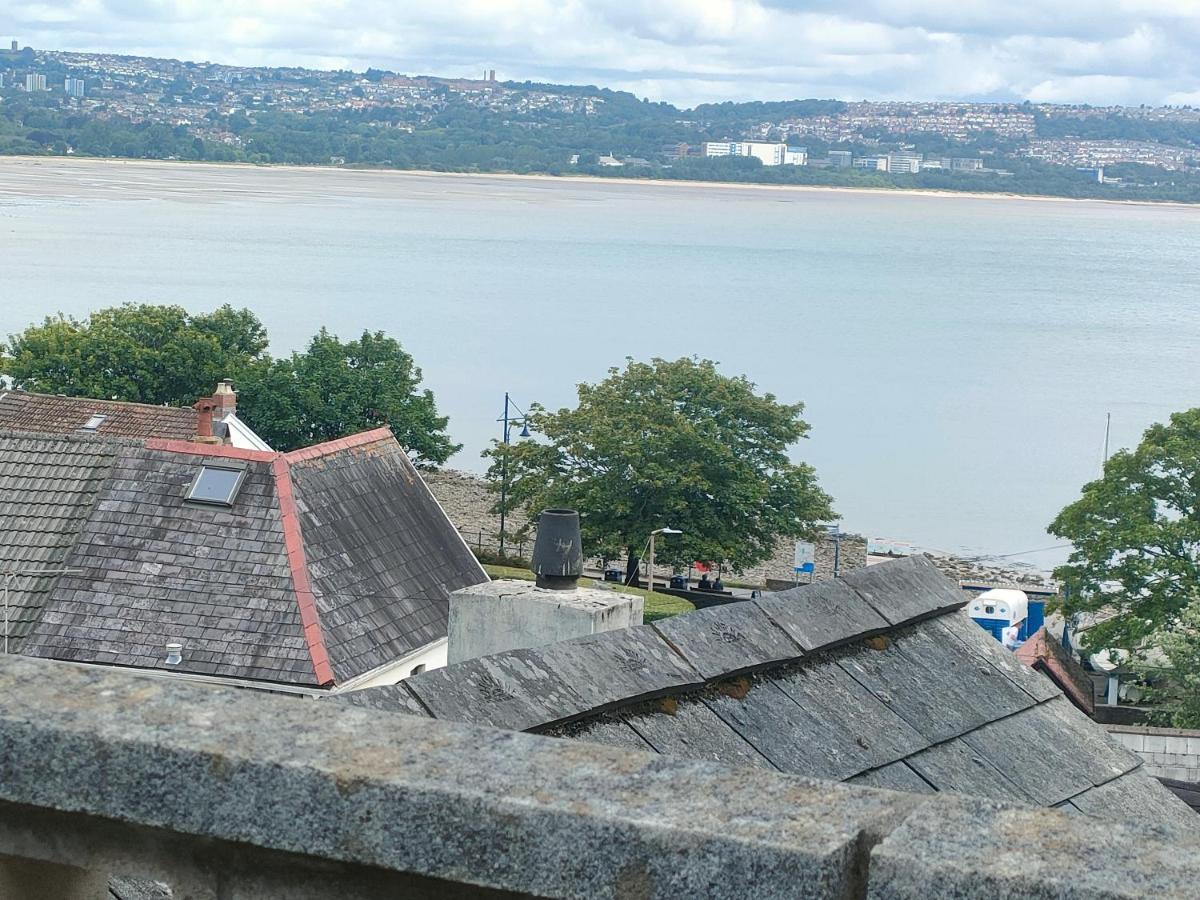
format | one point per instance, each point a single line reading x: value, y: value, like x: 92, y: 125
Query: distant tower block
x: 491, y: 75
x: 14, y: 46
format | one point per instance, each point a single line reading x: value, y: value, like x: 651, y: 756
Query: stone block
x: 1135, y: 742
x: 1193, y: 746
x: 1154, y: 743
x: 951, y: 848
x: 1176, y: 744
x: 430, y: 799
x: 516, y: 615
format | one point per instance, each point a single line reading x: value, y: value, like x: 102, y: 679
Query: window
x: 218, y: 485
x: 417, y: 670
x: 93, y: 423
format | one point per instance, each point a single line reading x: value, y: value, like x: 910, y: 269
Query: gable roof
x: 1046, y: 655
x: 54, y: 414
x: 878, y: 678
x: 331, y: 561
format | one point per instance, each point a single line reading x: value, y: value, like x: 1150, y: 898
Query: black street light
x: 508, y: 421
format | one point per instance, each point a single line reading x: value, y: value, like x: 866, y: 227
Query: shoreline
x: 540, y: 178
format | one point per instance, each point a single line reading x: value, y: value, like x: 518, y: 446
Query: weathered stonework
x: 468, y: 502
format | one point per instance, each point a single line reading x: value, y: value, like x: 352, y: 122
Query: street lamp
x: 650, y: 567
x: 508, y: 422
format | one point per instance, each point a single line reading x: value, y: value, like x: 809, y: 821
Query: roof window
x: 92, y: 423
x: 216, y: 485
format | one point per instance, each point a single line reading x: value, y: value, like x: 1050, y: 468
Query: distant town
x: 93, y: 104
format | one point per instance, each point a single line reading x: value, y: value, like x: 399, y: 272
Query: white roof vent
x: 174, y: 654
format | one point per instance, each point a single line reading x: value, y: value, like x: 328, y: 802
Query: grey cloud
x: 686, y: 51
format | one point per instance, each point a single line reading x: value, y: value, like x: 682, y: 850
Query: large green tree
x: 137, y: 352
x: 669, y: 444
x: 336, y: 388
x: 1136, y: 539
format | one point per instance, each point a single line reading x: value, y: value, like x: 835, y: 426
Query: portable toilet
x: 1000, y: 608
x: 1036, y: 618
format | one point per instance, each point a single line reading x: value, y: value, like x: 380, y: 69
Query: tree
x: 1179, y: 697
x: 670, y: 444
x: 335, y: 388
x: 136, y: 352
x: 1136, y: 538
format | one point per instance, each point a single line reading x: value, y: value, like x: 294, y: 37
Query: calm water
x: 957, y: 356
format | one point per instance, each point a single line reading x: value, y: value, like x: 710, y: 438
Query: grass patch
x: 657, y: 606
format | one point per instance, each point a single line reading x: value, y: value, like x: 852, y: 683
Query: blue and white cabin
x: 1000, y: 608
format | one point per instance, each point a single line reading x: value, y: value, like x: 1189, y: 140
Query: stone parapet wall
x: 1168, y: 752
x: 468, y: 502
x: 225, y: 793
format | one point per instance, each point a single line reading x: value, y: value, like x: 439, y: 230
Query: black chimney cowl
x: 557, y: 554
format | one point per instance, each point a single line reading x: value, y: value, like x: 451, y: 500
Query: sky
x: 682, y: 51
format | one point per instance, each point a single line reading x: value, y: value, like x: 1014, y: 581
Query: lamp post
x: 504, y: 460
x: 835, y: 532
x: 650, y: 566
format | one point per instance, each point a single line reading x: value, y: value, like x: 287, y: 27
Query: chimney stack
x: 225, y: 397
x: 204, y: 421
x: 557, y: 555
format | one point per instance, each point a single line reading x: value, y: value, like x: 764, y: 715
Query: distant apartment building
x: 14, y: 46
x: 73, y: 87
x: 769, y: 153
x: 878, y: 163
x: 35, y: 81
x: 959, y: 164
x: 840, y: 159
x: 904, y: 163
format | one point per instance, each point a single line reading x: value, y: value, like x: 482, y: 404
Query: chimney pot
x: 204, y: 422
x: 557, y: 552
x: 225, y: 396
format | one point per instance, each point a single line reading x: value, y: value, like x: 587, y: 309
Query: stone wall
x: 1168, y: 752
x: 468, y: 502
x: 222, y: 793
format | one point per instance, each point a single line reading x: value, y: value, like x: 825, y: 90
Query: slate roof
x: 878, y: 678
x: 331, y: 562
x: 52, y: 414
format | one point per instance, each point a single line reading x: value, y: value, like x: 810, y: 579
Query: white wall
x: 431, y: 656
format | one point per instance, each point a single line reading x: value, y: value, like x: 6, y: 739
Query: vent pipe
x: 174, y: 654
x: 557, y: 554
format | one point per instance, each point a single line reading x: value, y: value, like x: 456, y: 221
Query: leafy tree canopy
x: 335, y: 388
x: 140, y: 353
x: 670, y: 444
x: 1136, y: 537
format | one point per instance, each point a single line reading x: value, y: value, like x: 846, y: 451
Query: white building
x: 35, y: 81
x: 904, y: 163
x: 73, y: 87
x: 769, y: 153
x: 795, y: 156
x: 879, y: 163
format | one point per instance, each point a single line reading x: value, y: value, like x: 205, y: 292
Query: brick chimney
x: 225, y: 398
x: 204, y: 421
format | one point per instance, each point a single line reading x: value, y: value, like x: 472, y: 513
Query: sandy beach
x: 216, y: 176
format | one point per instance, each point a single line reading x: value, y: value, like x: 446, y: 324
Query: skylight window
x: 93, y: 423
x: 216, y: 485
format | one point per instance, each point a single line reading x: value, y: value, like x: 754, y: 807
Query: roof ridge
x: 175, y: 445
x: 327, y: 448
x: 293, y: 542
x: 75, y: 437
x: 81, y: 399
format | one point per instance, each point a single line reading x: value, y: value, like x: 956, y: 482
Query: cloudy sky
x: 684, y: 51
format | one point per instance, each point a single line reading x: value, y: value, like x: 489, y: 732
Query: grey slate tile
x: 955, y: 767
x: 616, y: 667
x: 1072, y: 757
x: 906, y: 590
x: 689, y: 729
x: 822, y: 614
x: 728, y: 639
x: 388, y: 698
x: 897, y: 776
x: 932, y: 682
x: 1139, y: 798
x: 603, y: 729
x: 512, y: 690
x: 847, y: 724
x: 959, y: 626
